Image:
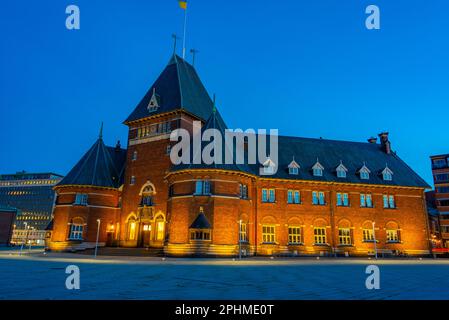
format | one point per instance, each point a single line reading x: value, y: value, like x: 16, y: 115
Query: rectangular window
x: 132, y: 180
x: 315, y: 197
x: 317, y: 172
x: 243, y: 191
x: 293, y: 196
x: 268, y: 195
x: 391, y: 202
x: 369, y: 201
x: 339, y: 201
x: 342, y: 199
x: 319, y: 235
x: 76, y: 231
x: 442, y: 177
x: 272, y: 196
x: 243, y: 235
x: 202, y: 187
x: 293, y: 171
x: 294, y: 235
x: 81, y: 199
x: 385, y: 198
x: 392, y: 236
x: 344, y: 236
x: 321, y: 198
x: 368, y: 235
x: 362, y: 200
x: 264, y: 195
x: 268, y: 234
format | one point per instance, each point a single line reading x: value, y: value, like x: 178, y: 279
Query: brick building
x: 326, y: 196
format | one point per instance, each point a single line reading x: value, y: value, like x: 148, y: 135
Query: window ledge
x: 294, y: 203
x: 296, y: 243
x: 345, y: 245
x: 370, y: 241
x: 322, y: 244
x: 270, y: 243
x: 393, y: 242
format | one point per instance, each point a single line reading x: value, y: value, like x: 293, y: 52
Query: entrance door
x: 146, y: 235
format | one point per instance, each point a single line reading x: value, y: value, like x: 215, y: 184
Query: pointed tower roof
x: 100, y: 166
x: 177, y: 87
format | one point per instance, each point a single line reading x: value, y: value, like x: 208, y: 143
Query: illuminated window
x: 76, y: 231
x: 344, y: 236
x: 320, y: 235
x: 294, y: 235
x: 243, y: 235
x: 160, y: 229
x: 132, y: 229
x: 392, y: 235
x: 368, y: 235
x: 200, y: 235
x: 132, y: 180
x: 268, y: 233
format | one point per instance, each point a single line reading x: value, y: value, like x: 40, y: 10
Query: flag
x: 183, y: 4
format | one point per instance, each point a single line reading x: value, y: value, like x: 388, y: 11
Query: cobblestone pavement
x: 39, y: 276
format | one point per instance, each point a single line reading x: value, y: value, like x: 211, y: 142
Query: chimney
x: 372, y: 140
x: 385, y: 143
x: 118, y: 146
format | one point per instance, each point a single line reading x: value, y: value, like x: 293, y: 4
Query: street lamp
x: 374, y: 238
x: 240, y: 239
x: 26, y: 234
x: 98, y: 234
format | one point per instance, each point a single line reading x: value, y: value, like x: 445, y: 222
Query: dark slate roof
x: 101, y: 166
x: 330, y: 153
x: 178, y: 87
x: 200, y: 222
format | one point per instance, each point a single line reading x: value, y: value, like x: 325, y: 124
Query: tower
x: 175, y: 100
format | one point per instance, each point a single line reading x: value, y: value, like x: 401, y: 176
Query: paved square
x: 39, y: 276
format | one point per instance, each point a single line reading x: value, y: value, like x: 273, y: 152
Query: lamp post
x: 374, y: 238
x: 98, y: 234
x: 240, y: 239
x: 23, y: 242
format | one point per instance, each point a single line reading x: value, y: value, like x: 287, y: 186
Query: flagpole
x: 184, y: 35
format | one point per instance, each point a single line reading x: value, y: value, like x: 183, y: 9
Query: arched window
x: 147, y: 195
x: 76, y: 229
x: 393, y: 234
x: 131, y: 229
x: 160, y: 228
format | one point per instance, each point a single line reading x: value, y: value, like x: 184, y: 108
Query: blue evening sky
x: 308, y: 68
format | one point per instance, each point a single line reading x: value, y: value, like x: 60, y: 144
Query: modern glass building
x: 33, y: 195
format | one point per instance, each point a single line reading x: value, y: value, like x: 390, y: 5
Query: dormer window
x: 293, y: 168
x: 387, y: 174
x: 364, y: 172
x: 318, y: 169
x: 341, y: 171
x: 268, y: 167
x: 153, y: 105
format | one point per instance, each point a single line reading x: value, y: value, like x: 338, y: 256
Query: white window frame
x: 76, y: 231
x: 81, y: 199
x: 344, y: 236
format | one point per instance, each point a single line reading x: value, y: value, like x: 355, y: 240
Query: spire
x: 100, y: 135
x: 214, y: 108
